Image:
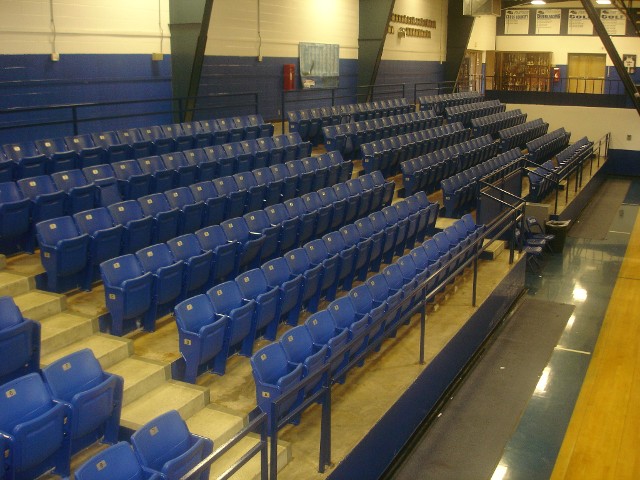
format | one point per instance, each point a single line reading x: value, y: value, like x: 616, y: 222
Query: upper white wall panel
x: 432, y: 49
x: 233, y: 30
x: 90, y: 26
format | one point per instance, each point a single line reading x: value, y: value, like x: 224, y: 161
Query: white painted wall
x: 233, y: 30
x: 590, y: 121
x: 90, y: 26
x: 483, y: 34
x: 419, y: 49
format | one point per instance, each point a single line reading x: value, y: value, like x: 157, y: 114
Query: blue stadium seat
x: 59, y: 156
x: 352, y: 202
x: 318, y: 254
x: 379, y: 223
x: 7, y: 168
x: 306, y: 219
x: 260, y: 156
x: 15, y: 215
x: 299, y: 348
x: 354, y: 186
x: 138, y: 227
x: 258, y: 221
x: 300, y: 264
x: 254, y: 197
x: 47, y: 201
x: 128, y: 292
x: 107, y: 191
x: 276, y: 153
x: 197, y: 263
x: 220, y: 129
x: 139, y: 147
x: 207, y: 168
x: 162, y: 179
x: 391, y: 215
x: 133, y: 182
x: 167, y: 277
x: 333, y: 169
x: 382, y: 294
x: 225, y: 252
x: 367, y: 232
x: 19, y: 342
x: 352, y: 238
x: 324, y: 213
x: 93, y: 396
x: 227, y: 301
x: 335, y: 244
x: 289, y: 181
x: 241, y: 160
x: 165, y: 445
x: 253, y: 286
x: 303, y: 177
x: 80, y: 194
x: 324, y: 331
x: 161, y: 142
x: 200, y: 131
x: 191, y: 210
x: 201, y: 334
x: 117, y: 462
x: 328, y: 197
x: 214, y: 210
x: 63, y: 252
x: 29, y: 162
x: 88, y: 152
x: 184, y: 173
x: 278, y: 215
x: 165, y: 218
x: 105, y: 243
x: 183, y: 140
x: 225, y: 163
x: 249, y: 131
x: 35, y: 429
x: 345, y: 316
x: 275, y: 376
x: 366, y: 307
x: 278, y: 274
x: 266, y: 129
x: 250, y: 243
x: 226, y: 187
x: 115, y: 149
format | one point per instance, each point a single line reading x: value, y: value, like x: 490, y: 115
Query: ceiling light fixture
x: 603, y: 2
x: 538, y: 2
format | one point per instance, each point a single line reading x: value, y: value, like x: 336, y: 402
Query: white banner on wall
x: 614, y: 21
x: 579, y: 22
x: 516, y: 22
x: 548, y: 21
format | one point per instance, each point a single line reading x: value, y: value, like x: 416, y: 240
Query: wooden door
x: 586, y: 73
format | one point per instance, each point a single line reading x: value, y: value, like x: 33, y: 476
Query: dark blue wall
x: 410, y: 73
x: 33, y: 80
x: 623, y: 162
x: 245, y: 74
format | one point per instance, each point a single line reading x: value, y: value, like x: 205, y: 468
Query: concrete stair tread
x: 63, y: 329
x: 38, y: 304
x: 140, y: 376
x: 250, y: 471
x: 25, y: 264
x: 13, y: 285
x: 215, y: 424
x: 107, y: 349
x: 3, y: 261
x: 183, y: 397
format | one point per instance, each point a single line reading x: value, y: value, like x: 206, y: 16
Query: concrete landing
x: 63, y: 329
x: 141, y: 376
x: 216, y: 424
x: 107, y: 349
x: 37, y: 304
x: 12, y: 284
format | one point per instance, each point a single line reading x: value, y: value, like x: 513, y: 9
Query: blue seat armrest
x: 189, y: 459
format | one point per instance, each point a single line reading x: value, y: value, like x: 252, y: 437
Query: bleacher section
x: 492, y: 124
x: 519, y: 135
x: 47, y: 156
x: 546, y: 146
x: 467, y: 112
x: 309, y: 123
x: 425, y: 172
x: 347, y: 138
x: 439, y: 103
x: 387, y: 154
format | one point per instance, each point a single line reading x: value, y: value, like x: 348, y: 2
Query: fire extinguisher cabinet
x: 289, y: 76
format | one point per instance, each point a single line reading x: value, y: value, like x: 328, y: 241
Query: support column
x: 375, y: 16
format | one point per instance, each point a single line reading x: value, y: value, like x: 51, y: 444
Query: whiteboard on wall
x: 319, y: 65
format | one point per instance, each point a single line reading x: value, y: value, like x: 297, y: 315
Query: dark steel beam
x: 629, y: 87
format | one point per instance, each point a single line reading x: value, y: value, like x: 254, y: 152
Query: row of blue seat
x: 40, y: 198
x: 388, y: 154
x: 573, y: 151
x: 439, y: 103
x: 546, y: 146
x: 233, y: 314
x: 348, y: 137
x: 459, y: 192
x: 427, y: 171
x: 48, y: 417
x: 309, y: 122
x: 492, y: 124
x: 363, y: 318
x: 519, y: 135
x: 166, y: 273
x: 19, y: 342
x: 28, y: 159
x: 542, y: 181
x: 467, y: 112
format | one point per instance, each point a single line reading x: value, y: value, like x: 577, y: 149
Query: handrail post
x: 273, y: 426
x: 423, y: 322
x: 282, y: 111
x: 475, y: 276
x: 74, y: 116
x: 264, y: 452
x: 333, y: 97
x: 325, y: 426
x: 257, y: 101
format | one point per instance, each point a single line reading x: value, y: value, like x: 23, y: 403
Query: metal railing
x: 432, y: 88
x: 74, y: 115
x: 339, y: 95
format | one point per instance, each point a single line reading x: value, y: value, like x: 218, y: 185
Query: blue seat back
x: 117, y: 270
x: 194, y: 313
x: 117, y: 462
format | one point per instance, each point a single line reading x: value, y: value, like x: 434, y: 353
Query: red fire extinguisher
x: 289, y: 76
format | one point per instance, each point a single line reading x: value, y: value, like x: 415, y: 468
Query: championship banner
x: 548, y: 21
x: 579, y: 22
x: 516, y: 22
x: 614, y: 21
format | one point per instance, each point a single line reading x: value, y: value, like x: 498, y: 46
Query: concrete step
x: 140, y: 376
x: 171, y: 395
x: 3, y: 261
x: 494, y: 250
x: 14, y: 285
x: 215, y: 424
x: 63, y: 329
x: 251, y: 471
x: 25, y: 264
x: 107, y: 349
x: 37, y: 304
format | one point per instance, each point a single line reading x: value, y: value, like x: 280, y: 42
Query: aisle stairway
x: 70, y: 323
